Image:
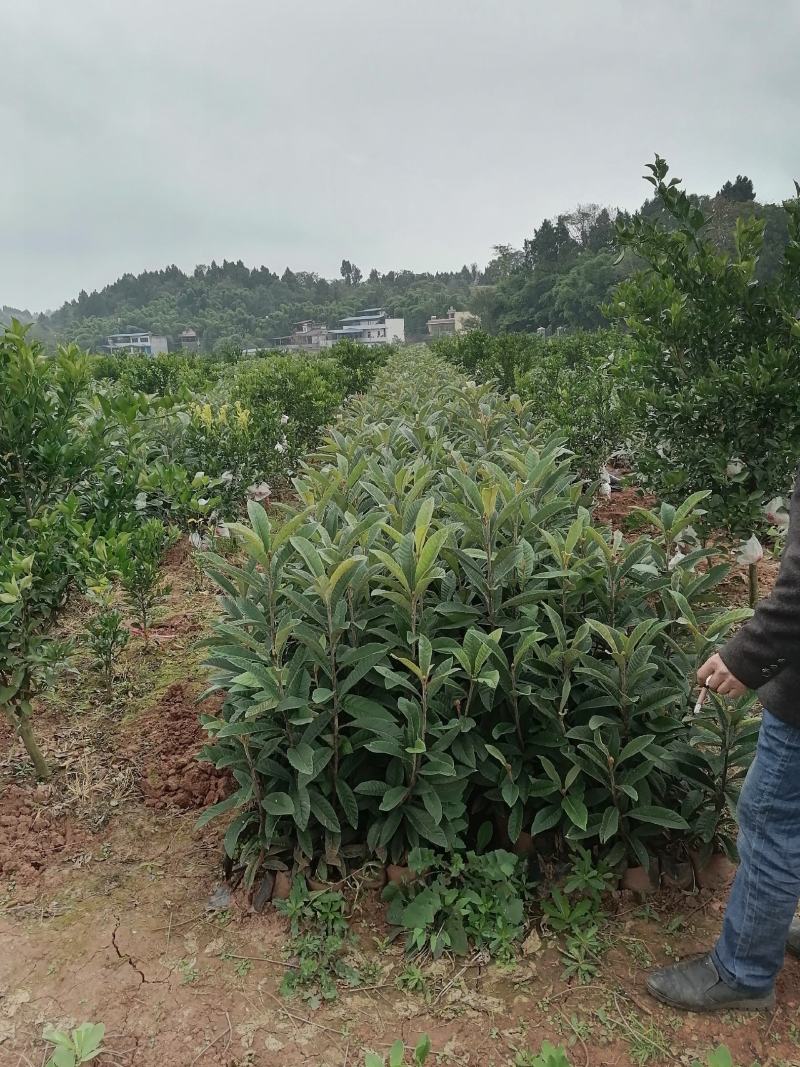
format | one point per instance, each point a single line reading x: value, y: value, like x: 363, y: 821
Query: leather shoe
x: 695, y: 985
x: 793, y: 940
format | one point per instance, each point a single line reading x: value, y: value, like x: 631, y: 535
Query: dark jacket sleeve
x: 771, y: 639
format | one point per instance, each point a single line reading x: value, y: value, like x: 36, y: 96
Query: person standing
x: 739, y: 972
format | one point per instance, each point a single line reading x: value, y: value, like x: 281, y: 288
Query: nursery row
x: 441, y: 648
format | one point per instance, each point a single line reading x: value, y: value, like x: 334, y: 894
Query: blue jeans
x: 766, y: 890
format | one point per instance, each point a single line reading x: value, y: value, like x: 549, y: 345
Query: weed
x: 320, y: 935
x: 462, y: 900
x: 720, y: 1057
x: 397, y: 1055
x: 638, y: 952
x: 581, y: 954
x: 547, y: 1056
x: 576, y: 912
x: 83, y: 1044
x: 646, y: 1041
x: 413, y: 979
x: 189, y: 971
x: 562, y: 915
x: 588, y: 878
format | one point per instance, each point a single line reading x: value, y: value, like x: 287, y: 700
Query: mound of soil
x: 163, y: 745
x: 615, y: 509
x: 30, y: 835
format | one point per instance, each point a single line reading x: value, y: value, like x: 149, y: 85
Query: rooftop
x: 368, y: 313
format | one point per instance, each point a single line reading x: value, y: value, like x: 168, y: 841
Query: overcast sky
x: 396, y: 133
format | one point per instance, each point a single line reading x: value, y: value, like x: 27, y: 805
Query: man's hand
x: 719, y: 679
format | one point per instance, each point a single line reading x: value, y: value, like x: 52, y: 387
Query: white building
x: 372, y: 326
x: 138, y: 342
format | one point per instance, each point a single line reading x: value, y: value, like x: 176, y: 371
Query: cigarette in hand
x: 701, y: 699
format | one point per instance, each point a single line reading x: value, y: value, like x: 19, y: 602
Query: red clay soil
x: 125, y: 939
x: 163, y: 744
x: 31, y: 837
x: 615, y: 509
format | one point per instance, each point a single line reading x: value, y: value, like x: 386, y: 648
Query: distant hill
x: 559, y: 277
x: 8, y: 313
x: 233, y: 303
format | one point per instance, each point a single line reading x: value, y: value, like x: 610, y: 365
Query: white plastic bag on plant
x: 735, y: 466
x: 776, y: 512
x: 750, y: 552
x: 259, y: 491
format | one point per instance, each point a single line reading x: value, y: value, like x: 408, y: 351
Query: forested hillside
x: 560, y: 276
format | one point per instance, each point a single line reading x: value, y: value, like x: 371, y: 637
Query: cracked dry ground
x: 103, y: 888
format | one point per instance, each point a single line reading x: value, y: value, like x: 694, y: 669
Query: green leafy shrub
x: 139, y: 567
x: 106, y: 636
x: 360, y: 363
x: 572, y: 382
x: 161, y: 375
x: 712, y: 366
x: 249, y: 436
x: 53, y: 443
x: 217, y: 428
x: 440, y: 636
x: 504, y: 357
x: 309, y: 390
x: 458, y: 902
x: 240, y: 448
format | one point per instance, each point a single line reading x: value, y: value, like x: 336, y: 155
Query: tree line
x: 561, y: 277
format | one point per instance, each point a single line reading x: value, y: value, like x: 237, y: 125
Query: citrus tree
x: 712, y: 374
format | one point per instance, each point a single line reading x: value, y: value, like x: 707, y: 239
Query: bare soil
x: 104, y: 885
x: 615, y: 509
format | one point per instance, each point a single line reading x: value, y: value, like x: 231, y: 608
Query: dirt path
x: 120, y: 934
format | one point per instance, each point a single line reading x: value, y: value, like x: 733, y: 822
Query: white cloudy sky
x: 396, y: 133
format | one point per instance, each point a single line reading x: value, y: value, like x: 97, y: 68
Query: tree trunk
x: 32, y: 748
